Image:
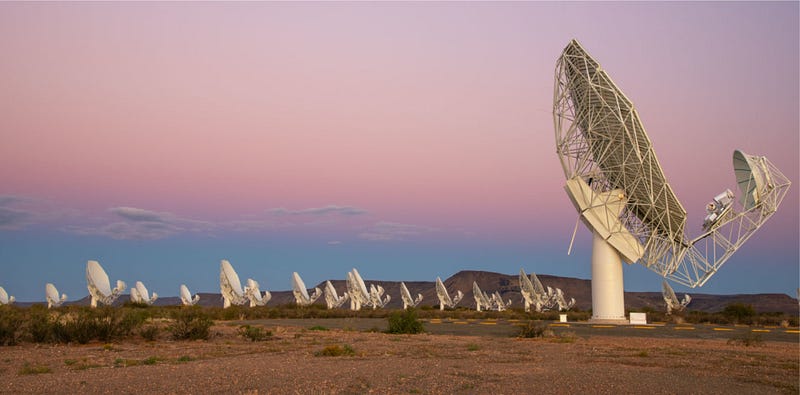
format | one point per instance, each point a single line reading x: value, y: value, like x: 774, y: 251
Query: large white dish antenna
x: 99, y: 286
x: 617, y: 185
x: 357, y: 291
x: 51, y: 294
x: 230, y: 286
x: 444, y: 298
x: 534, y: 293
x: 360, y: 282
x: 481, y: 298
x: 139, y: 294
x: 376, y: 296
x: 332, y: 298
x: 253, y: 292
x: 408, y: 301
x: 673, y: 304
x: 186, y: 296
x: 301, y: 293
x: 4, y: 298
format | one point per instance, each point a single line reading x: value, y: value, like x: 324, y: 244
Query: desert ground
x: 291, y: 361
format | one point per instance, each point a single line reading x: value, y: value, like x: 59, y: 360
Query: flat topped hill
x: 508, y: 286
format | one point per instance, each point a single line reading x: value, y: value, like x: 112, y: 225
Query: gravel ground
x: 437, y: 364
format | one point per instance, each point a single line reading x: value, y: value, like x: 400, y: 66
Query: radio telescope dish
x: 408, y: 301
x: 139, y: 294
x: 332, y: 299
x: 534, y: 293
x: 444, y: 297
x: 481, y: 298
x: 673, y: 304
x: 561, y: 300
x: 186, y: 296
x: 230, y: 286
x: 99, y: 286
x: 497, y: 303
x: 253, y: 292
x: 301, y: 293
x: 359, y: 296
x: 51, y: 294
x: 617, y: 185
x: 4, y: 298
x: 376, y: 297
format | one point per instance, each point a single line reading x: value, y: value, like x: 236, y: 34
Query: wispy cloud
x: 320, y: 211
x: 12, y: 219
x: 17, y: 212
x: 386, y: 231
x: 141, y: 224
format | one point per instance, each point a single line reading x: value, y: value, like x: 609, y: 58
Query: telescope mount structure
x: 616, y: 184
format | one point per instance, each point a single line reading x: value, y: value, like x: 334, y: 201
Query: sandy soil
x: 288, y: 363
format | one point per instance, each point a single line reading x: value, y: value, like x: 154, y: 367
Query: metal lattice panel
x: 600, y: 140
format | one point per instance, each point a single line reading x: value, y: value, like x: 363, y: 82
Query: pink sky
x: 435, y: 115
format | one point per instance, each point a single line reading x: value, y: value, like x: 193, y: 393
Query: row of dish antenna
x: 357, y: 293
x: 535, y: 295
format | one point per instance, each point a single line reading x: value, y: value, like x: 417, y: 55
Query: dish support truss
x: 602, y: 145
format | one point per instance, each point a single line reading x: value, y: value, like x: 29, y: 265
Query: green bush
x: 254, y: 333
x: 149, y: 333
x: 11, y: 322
x: 191, y: 324
x: 534, y: 329
x: 40, y: 324
x: 739, y: 313
x: 405, y: 322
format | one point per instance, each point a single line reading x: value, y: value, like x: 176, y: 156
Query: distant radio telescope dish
x: 301, y: 293
x: 4, y: 298
x: 186, y: 296
x: 51, y: 294
x: 481, y: 298
x: 332, y: 299
x: 99, y: 286
x: 497, y: 303
x: 376, y: 296
x: 253, y: 292
x: 444, y: 298
x: 534, y: 293
x: 616, y: 183
x: 359, y: 294
x: 357, y: 290
x: 139, y: 294
x: 230, y: 286
x: 673, y: 304
x: 406, y: 296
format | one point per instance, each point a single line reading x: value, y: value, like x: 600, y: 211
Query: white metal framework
x: 99, y: 286
x: 51, y: 294
x: 617, y: 185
